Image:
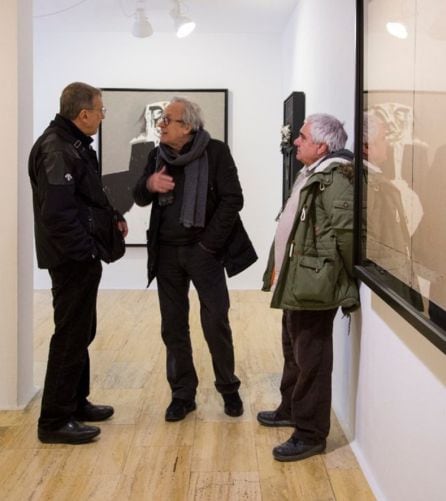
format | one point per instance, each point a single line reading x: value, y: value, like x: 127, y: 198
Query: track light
x: 184, y: 26
x: 141, y: 27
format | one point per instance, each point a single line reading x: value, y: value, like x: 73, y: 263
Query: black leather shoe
x: 71, y: 433
x: 272, y: 418
x: 179, y: 408
x: 233, y: 404
x: 294, y: 450
x: 91, y: 412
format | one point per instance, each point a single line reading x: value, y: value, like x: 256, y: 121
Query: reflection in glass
x: 404, y: 150
x: 388, y: 240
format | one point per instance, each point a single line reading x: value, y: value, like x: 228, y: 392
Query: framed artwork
x: 400, y: 156
x: 293, y: 119
x: 129, y: 133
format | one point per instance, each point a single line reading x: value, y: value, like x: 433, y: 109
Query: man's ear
x: 187, y: 129
x: 81, y: 116
x: 322, y: 149
x: 79, y: 121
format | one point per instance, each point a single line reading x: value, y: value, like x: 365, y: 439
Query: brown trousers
x: 307, y: 343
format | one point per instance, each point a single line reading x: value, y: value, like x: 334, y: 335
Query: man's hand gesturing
x: 160, y: 182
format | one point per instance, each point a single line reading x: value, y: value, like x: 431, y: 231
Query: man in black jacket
x: 195, y: 233
x: 68, y: 202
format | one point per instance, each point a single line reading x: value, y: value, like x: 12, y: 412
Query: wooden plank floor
x: 208, y: 456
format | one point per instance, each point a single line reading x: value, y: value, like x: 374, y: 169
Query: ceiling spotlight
x: 184, y: 26
x: 141, y: 27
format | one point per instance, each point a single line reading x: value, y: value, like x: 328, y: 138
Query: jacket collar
x: 323, y: 172
x: 68, y: 126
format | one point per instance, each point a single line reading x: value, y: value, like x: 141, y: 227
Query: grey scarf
x: 195, y: 162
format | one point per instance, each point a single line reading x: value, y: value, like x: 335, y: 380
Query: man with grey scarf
x: 195, y: 233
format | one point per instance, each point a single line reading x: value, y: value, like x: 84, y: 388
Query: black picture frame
x: 420, y: 312
x: 293, y: 119
x: 128, y: 134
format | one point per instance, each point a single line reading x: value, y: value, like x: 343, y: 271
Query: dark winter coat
x: 223, y: 233
x: 69, y: 203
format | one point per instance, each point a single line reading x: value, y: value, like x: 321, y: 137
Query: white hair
x: 192, y: 114
x: 327, y: 129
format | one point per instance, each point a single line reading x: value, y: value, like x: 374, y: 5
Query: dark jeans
x: 177, y: 267
x: 67, y: 381
x: 307, y: 342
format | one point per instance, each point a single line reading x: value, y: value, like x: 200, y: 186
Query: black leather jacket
x: 67, y: 191
x: 223, y: 232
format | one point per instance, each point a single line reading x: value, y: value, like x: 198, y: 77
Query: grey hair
x: 76, y: 97
x: 327, y: 129
x: 192, y: 114
x: 371, y: 126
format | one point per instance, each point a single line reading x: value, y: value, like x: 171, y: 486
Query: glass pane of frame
x: 401, y: 153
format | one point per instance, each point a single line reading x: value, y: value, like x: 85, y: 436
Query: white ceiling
x: 211, y: 16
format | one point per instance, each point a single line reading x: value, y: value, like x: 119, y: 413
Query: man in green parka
x: 310, y: 271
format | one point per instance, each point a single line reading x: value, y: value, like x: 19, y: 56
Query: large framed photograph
x: 129, y: 133
x: 401, y: 154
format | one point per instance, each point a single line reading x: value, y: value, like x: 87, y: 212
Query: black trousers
x: 307, y: 343
x: 177, y: 267
x: 67, y: 380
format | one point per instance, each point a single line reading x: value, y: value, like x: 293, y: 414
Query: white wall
x: 399, y: 430
x: 318, y: 58
x: 16, y: 354
x: 388, y: 380
x: 247, y: 65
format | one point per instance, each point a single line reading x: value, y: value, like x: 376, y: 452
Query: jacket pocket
x: 342, y: 214
x: 315, y: 279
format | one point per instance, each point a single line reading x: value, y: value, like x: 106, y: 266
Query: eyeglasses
x: 101, y: 110
x: 164, y: 120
